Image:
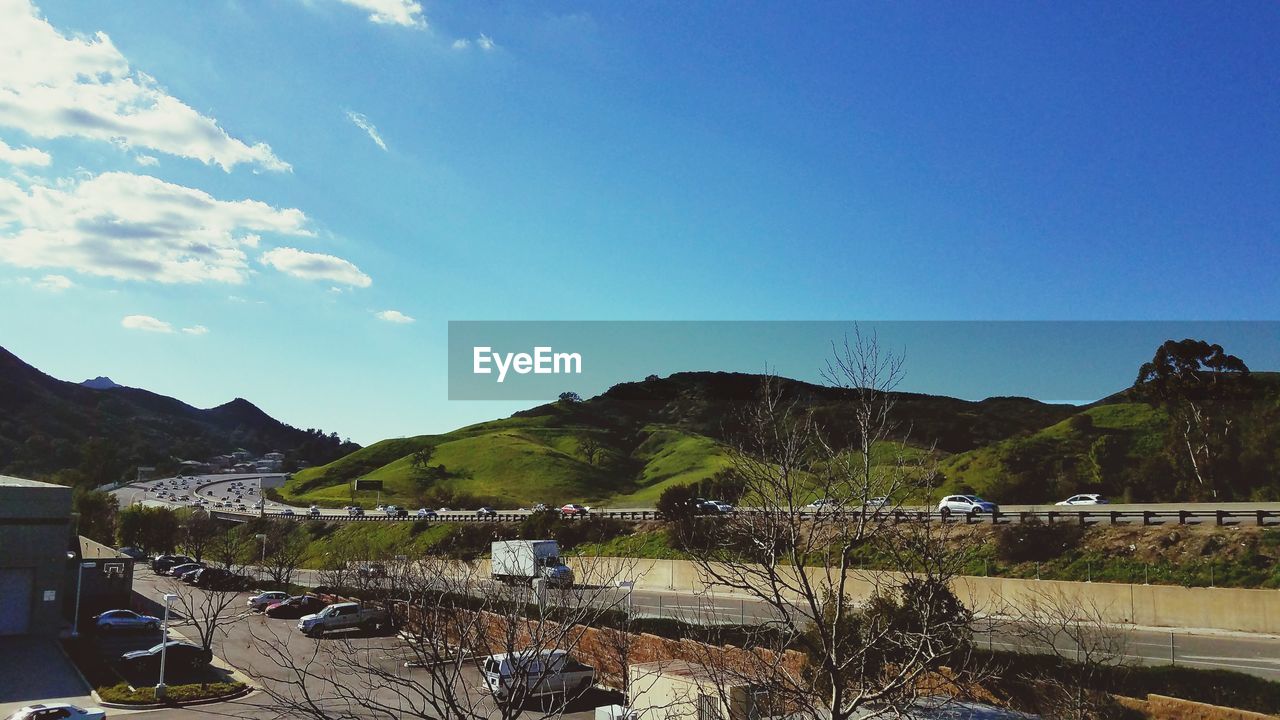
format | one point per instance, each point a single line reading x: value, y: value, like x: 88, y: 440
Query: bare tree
x: 873, y: 642
x: 211, y: 602
x: 453, y: 618
x: 285, y: 548
x: 1087, y: 652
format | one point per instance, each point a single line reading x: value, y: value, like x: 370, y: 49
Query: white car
x: 719, y: 506
x: 1085, y: 499
x: 58, y: 711
x: 121, y: 620
x: 262, y: 601
x: 966, y: 505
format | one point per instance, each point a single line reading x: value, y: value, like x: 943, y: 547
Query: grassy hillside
x: 651, y: 435
x: 663, y: 432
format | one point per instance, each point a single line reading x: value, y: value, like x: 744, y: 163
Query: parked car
x: 343, y: 616
x: 263, y: 600
x: 133, y: 552
x: 179, y: 655
x: 574, y: 509
x: 355, y: 511
x: 295, y: 607
x: 529, y: 673
x: 218, y: 579
x: 124, y: 620
x: 58, y: 711
x: 180, y: 570
x: 486, y: 512
x: 1085, y: 499
x: 162, y: 563
x: 966, y: 505
x: 425, y: 514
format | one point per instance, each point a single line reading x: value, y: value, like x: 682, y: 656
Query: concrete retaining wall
x: 1252, y: 611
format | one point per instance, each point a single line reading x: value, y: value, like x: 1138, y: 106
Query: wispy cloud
x: 54, y: 283
x: 23, y: 156
x: 362, y: 122
x: 146, y: 323
x: 394, y: 316
x: 136, y: 227
x: 484, y: 42
x: 315, y: 266
x: 53, y: 85
x: 405, y: 13
x: 196, y: 330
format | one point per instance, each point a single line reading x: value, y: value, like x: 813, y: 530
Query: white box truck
x: 523, y: 561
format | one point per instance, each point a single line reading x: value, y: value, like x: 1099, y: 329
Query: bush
x: 1034, y: 541
x: 123, y: 695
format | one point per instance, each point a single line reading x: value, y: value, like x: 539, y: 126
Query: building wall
x: 35, y: 534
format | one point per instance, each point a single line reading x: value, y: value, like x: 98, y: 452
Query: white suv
x: 966, y: 505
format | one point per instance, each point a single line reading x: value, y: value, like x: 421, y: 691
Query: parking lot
x: 255, y: 644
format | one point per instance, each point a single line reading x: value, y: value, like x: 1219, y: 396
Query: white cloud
x: 196, y: 330
x: 23, y: 156
x: 54, y: 283
x: 147, y: 160
x: 53, y: 85
x: 394, y: 316
x: 406, y: 13
x: 484, y: 42
x: 363, y: 123
x: 146, y: 323
x: 315, y: 266
x: 135, y: 227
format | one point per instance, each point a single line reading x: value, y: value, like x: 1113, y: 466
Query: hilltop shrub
x: 1035, y: 541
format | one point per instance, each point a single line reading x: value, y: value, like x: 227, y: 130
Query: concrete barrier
x: 1232, y: 609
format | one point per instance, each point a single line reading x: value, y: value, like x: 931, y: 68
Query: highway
x: 240, y: 492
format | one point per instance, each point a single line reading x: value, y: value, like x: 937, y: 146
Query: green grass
x: 651, y: 544
x: 517, y: 462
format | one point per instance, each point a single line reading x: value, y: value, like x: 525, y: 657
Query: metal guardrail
x: 1262, y: 518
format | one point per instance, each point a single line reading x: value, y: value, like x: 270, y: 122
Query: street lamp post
x: 80, y: 566
x: 164, y: 644
x: 262, y: 569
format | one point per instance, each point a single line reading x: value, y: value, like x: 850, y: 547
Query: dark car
x: 179, y: 656
x: 217, y: 579
x: 179, y: 570
x: 133, y: 552
x: 373, y: 570
x: 295, y: 607
x: 162, y: 563
x: 486, y: 512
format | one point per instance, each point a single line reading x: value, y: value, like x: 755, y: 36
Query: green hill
x: 677, y: 430
x: 650, y: 435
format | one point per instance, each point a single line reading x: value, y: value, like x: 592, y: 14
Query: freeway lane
x: 213, y: 489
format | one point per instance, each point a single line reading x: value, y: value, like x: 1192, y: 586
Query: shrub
x: 123, y: 695
x: 1034, y: 541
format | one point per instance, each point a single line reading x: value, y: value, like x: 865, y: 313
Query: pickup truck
x: 528, y: 674
x: 343, y: 616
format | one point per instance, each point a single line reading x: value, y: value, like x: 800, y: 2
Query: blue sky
x: 188, y: 203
